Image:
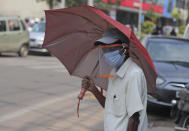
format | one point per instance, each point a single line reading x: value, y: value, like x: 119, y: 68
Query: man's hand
x: 133, y: 122
x: 89, y: 84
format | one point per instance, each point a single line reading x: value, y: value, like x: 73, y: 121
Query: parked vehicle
x: 180, y: 109
x: 171, y: 60
x: 14, y: 36
x: 186, y: 32
x: 37, y: 37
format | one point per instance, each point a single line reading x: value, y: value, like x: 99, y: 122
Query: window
x: 180, y: 3
x: 39, y: 27
x: 2, y: 26
x: 23, y: 25
x: 168, y: 50
x: 14, y: 25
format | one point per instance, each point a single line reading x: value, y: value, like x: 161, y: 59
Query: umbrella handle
x: 82, y: 93
x: 80, y: 97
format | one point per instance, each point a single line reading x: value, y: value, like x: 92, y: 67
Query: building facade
x: 23, y: 8
x: 127, y: 10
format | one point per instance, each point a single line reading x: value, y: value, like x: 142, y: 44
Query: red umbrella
x: 70, y: 36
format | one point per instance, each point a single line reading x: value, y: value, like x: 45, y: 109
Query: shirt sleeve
x: 134, y: 93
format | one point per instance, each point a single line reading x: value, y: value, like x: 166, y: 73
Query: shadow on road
x: 6, y: 55
x: 159, y: 116
x: 39, y: 54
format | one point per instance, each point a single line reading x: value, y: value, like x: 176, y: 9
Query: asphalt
x: 38, y: 94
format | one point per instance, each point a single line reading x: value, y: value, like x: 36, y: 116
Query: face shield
x: 111, y: 58
x: 111, y: 53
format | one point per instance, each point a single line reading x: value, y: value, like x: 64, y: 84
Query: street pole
x: 62, y: 3
x: 139, y: 18
x: 91, y: 2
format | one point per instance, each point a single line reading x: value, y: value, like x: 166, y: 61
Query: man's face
x: 111, y: 49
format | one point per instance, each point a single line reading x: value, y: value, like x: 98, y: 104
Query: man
x: 126, y: 96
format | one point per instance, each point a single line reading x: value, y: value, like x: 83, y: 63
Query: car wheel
x: 184, y: 122
x: 23, y: 51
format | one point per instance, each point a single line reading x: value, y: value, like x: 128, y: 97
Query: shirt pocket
x: 117, y: 106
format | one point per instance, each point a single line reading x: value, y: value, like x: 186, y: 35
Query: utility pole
x: 62, y: 3
x: 139, y: 18
x: 91, y: 2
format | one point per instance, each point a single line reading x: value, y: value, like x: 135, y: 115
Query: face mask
x: 114, y: 58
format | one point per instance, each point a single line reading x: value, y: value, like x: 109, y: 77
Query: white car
x: 37, y: 37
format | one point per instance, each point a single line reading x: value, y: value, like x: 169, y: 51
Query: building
x: 127, y: 10
x: 23, y: 8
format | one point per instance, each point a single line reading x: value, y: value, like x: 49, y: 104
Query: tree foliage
x: 176, y: 14
x: 152, y: 15
x: 147, y: 27
x: 50, y: 3
x: 71, y: 3
x: 181, y: 29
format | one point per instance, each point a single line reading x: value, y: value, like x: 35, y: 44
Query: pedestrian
x: 126, y: 97
x: 173, y: 33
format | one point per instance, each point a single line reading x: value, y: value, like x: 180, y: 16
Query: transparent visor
x: 110, y: 57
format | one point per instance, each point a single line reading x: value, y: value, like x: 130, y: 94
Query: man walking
x: 126, y: 97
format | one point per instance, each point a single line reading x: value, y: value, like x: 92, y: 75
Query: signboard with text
x: 158, y: 5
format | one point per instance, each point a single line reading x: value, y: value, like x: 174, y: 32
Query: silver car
x: 37, y: 37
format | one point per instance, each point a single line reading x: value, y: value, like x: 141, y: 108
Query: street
x: 38, y: 94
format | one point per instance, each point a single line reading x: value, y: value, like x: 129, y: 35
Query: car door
x: 3, y: 35
x: 15, y: 35
x: 24, y: 33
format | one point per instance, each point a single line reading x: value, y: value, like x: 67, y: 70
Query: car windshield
x: 39, y: 27
x: 168, y: 50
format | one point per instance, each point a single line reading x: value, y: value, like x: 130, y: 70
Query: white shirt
x: 126, y: 95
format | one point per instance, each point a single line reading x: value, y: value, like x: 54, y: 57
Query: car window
x: 14, y: 25
x: 168, y: 50
x: 39, y: 27
x: 2, y: 26
x: 23, y: 25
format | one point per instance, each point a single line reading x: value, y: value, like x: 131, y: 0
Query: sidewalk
x: 161, y: 129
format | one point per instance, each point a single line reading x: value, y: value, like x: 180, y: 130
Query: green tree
x: 71, y: 3
x: 50, y: 3
x: 176, y: 14
x: 147, y: 27
x: 152, y: 15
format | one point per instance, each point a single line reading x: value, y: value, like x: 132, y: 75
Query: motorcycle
x: 180, y: 109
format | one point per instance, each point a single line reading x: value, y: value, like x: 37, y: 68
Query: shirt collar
x: 123, y: 69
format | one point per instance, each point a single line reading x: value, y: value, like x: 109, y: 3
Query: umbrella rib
x: 56, y: 41
x: 95, y: 67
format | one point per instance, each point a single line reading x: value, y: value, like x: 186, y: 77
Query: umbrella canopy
x: 70, y: 36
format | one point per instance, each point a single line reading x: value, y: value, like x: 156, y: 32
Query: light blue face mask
x: 114, y: 58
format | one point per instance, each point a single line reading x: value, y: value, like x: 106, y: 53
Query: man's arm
x: 133, y: 122
x: 101, y: 99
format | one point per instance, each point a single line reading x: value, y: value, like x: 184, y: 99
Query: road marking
x: 37, y: 106
x: 34, y: 64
